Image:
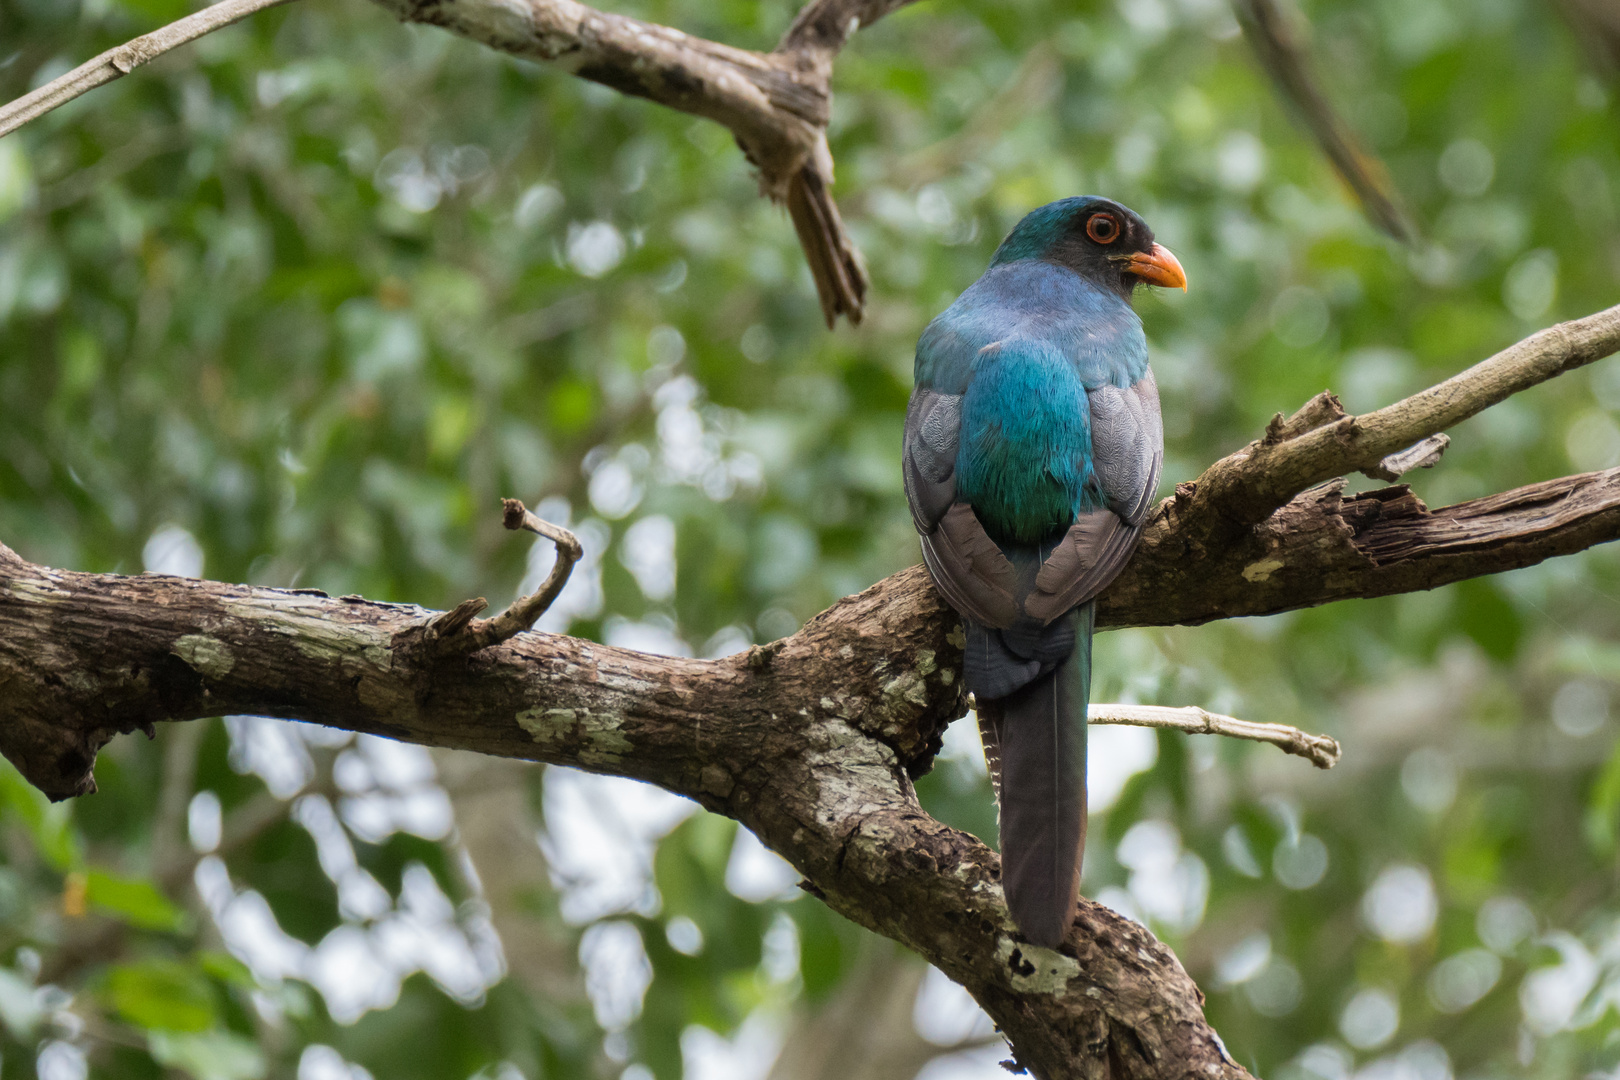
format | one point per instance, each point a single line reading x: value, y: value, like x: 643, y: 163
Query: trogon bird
x: 1033, y: 448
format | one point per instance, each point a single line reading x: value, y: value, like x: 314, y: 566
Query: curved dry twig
x: 457, y: 633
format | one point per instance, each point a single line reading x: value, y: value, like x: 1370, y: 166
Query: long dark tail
x: 1035, y: 741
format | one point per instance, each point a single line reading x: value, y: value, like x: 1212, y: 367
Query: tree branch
x: 1321, y: 442
x: 776, y: 104
x: 116, y: 63
x: 812, y: 741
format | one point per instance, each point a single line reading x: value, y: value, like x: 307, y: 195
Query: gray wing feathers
x: 1127, y: 445
x: 1127, y: 442
x: 932, y: 422
x: 967, y: 566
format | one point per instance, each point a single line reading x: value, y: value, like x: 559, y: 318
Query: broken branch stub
x: 458, y: 633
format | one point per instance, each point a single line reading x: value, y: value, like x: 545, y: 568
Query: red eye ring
x: 1103, y: 228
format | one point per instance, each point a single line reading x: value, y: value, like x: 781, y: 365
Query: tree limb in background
x: 116, y: 63
x: 1280, y: 51
x: 1597, y: 28
x: 812, y: 741
x: 776, y: 104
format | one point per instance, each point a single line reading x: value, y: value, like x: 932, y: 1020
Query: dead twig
x: 118, y: 62
x: 1320, y: 750
x: 458, y: 633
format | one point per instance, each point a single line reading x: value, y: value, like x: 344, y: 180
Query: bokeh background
x: 298, y: 304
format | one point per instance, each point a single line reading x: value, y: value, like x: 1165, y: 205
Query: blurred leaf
x: 51, y: 826
x: 228, y: 970
x: 134, y: 900
x: 1603, y: 807
x: 158, y: 11
x: 162, y: 994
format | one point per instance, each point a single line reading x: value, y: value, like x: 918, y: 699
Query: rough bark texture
x: 812, y: 741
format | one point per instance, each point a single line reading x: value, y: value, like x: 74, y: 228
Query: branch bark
x: 1321, y: 442
x: 812, y: 742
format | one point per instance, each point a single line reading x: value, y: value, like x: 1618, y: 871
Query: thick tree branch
x: 812, y: 741
x: 813, y: 749
x: 116, y: 63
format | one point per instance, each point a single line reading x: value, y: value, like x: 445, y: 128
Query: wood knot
x: 760, y: 657
x: 716, y: 781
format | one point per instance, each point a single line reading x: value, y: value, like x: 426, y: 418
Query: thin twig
x: 1320, y: 750
x: 118, y: 62
x: 457, y: 633
x: 523, y: 613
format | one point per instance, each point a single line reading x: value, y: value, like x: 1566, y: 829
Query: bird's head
x: 1098, y: 239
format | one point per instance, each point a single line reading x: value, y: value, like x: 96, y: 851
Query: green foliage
x: 162, y: 994
x: 135, y: 900
x: 321, y: 288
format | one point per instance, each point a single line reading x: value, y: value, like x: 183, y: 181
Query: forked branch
x: 1322, y: 442
x: 776, y: 104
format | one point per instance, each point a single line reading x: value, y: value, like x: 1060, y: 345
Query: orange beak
x: 1158, y: 267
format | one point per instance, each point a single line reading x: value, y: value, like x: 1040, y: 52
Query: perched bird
x: 1033, y: 448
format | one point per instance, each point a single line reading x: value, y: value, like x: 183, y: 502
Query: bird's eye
x: 1102, y: 228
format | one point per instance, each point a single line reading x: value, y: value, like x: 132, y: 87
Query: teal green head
x: 1097, y: 238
